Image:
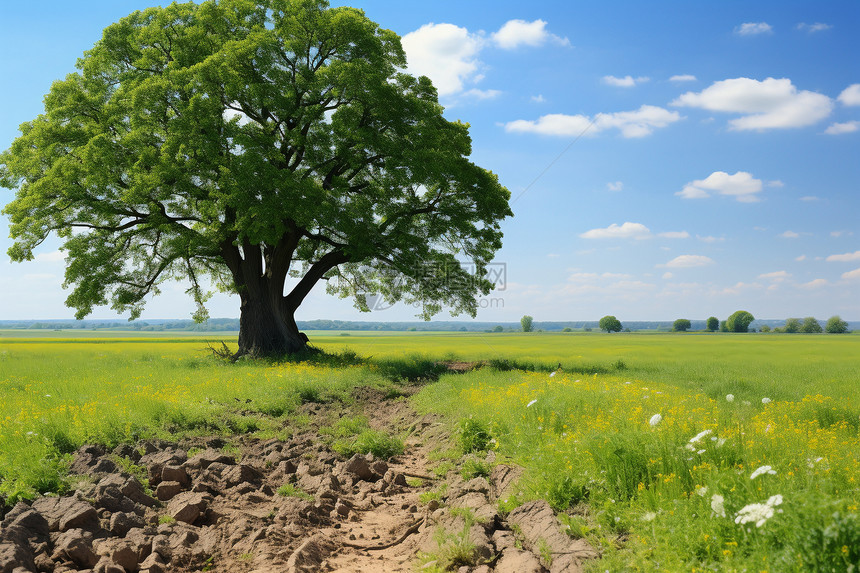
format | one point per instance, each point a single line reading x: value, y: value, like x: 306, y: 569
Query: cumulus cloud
x: 813, y: 28
x: 516, y: 33
x: 777, y: 276
x: 840, y: 128
x: 637, y: 123
x: 790, y: 235
x: 813, y: 284
x: 625, y: 82
x: 800, y: 258
x: 445, y: 53
x: 683, y: 78
x: 615, y: 186
x: 625, y: 231
x: 688, y: 261
x: 742, y: 186
x: 845, y: 258
x: 852, y: 275
x: 538, y: 98
x: 769, y: 104
x: 753, y: 29
x: 850, y: 95
x: 674, y: 235
x: 52, y: 257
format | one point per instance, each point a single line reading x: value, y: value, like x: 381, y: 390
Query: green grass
x: 645, y: 494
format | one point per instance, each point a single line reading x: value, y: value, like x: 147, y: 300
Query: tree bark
x: 267, y: 330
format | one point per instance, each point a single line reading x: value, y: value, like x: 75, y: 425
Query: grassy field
x: 671, y: 452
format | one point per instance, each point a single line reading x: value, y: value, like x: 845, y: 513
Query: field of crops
x: 671, y: 452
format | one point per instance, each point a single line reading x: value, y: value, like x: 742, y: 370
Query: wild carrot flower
x: 766, y: 400
x: 762, y: 470
x: 758, y: 513
x: 730, y: 397
x: 655, y: 419
x: 700, y: 435
x: 717, y: 505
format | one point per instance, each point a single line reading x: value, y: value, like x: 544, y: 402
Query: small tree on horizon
x: 527, y: 323
x: 835, y: 325
x: 810, y: 326
x: 610, y: 324
x: 792, y: 325
x: 739, y: 321
x: 681, y: 325
x: 713, y: 324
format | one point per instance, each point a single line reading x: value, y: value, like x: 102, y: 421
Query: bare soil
x: 217, y: 508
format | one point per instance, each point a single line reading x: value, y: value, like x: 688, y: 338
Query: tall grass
x: 58, y: 396
x: 594, y: 445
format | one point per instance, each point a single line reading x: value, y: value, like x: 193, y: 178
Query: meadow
x: 670, y: 452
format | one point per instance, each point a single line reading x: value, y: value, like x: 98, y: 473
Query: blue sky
x: 665, y: 159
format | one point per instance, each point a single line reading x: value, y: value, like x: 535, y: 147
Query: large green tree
x: 265, y: 144
x: 681, y: 325
x: 835, y: 325
x: 610, y: 324
x: 739, y: 321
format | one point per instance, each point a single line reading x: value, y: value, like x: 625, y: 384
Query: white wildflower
x: 650, y: 516
x: 766, y: 400
x: 720, y: 442
x: 689, y: 447
x: 47, y: 395
x: 655, y: 419
x: 746, y: 403
x: 700, y: 435
x: 717, y: 505
x: 730, y: 397
x: 700, y: 452
x: 762, y: 470
x: 529, y: 405
x: 702, y: 491
x: 758, y: 513
x: 551, y: 374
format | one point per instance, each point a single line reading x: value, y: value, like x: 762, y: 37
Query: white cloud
x: 710, y: 239
x: 777, y: 276
x: 625, y: 82
x: 616, y: 186
x: 846, y: 258
x: 813, y: 284
x: 852, y: 275
x: 445, y: 53
x: 769, y: 104
x: 625, y: 231
x: 683, y: 78
x: 775, y: 183
x: 790, y: 235
x: 538, y: 99
x: 813, y: 28
x: 753, y: 29
x: 840, y: 128
x: 688, y: 261
x: 52, y: 257
x: 850, y: 95
x: 482, y: 94
x: 667, y: 275
x: 800, y: 258
x: 516, y: 33
x: 810, y: 198
x: 742, y: 186
x: 841, y: 233
x: 674, y: 235
x: 637, y: 123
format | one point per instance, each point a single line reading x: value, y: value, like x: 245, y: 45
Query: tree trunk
x: 267, y: 329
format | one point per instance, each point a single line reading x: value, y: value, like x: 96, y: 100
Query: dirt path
x: 284, y: 506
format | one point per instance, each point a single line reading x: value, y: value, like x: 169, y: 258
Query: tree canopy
x: 811, y: 326
x: 610, y: 324
x: 713, y: 324
x: 835, y: 325
x: 526, y: 322
x: 739, y: 321
x: 266, y: 145
x: 681, y: 325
